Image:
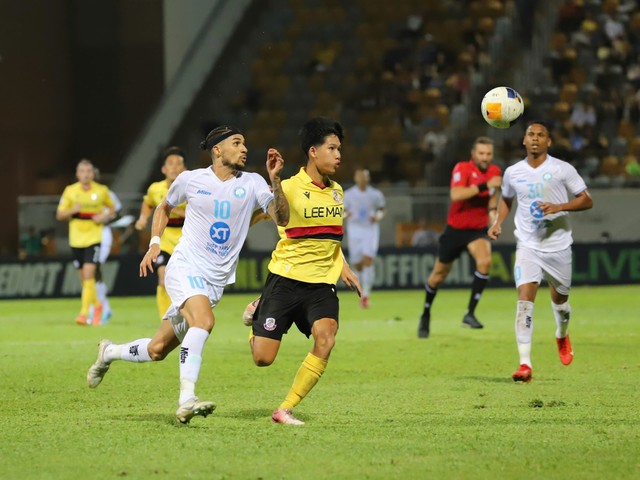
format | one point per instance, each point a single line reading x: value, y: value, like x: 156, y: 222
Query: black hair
x: 172, y: 151
x: 314, y: 131
x: 218, y: 134
x: 538, y: 122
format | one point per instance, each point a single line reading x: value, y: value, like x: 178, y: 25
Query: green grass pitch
x: 390, y: 405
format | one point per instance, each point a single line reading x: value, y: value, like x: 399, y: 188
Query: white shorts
x: 362, y: 242
x: 182, y: 282
x: 105, y: 244
x: 533, y: 265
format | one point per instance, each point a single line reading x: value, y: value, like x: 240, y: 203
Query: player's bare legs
x: 480, y: 251
x: 162, y: 297
x: 438, y: 275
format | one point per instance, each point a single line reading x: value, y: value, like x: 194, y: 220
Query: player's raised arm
x: 279, y: 208
x: 159, y: 223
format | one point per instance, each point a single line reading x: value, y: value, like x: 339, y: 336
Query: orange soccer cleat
x: 564, y: 350
x: 523, y: 374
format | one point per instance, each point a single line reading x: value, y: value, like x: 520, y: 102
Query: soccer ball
x: 502, y: 106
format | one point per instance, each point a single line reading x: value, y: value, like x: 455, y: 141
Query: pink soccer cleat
x: 284, y: 416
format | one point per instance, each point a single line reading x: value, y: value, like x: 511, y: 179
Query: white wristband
x: 155, y: 240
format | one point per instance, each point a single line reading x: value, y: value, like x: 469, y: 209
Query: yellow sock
x: 308, y: 375
x: 89, y: 296
x: 163, y: 300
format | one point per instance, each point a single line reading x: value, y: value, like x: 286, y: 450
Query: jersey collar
x: 307, y: 179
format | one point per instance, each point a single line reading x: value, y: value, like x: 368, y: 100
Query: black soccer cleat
x: 471, y: 321
x: 423, y: 327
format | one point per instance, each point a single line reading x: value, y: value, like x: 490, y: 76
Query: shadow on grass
x: 248, y: 414
x: 478, y: 378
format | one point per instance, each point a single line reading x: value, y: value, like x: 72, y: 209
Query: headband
x: 209, y: 143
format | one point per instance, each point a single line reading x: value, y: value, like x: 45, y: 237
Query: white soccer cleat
x: 285, y: 416
x: 247, y: 316
x: 100, y: 367
x: 192, y: 408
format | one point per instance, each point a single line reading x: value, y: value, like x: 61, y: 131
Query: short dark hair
x: 171, y: 151
x: 218, y: 134
x: 314, y: 131
x: 538, y: 122
x: 482, y: 141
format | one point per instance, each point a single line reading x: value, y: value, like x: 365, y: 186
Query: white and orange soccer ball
x: 502, y: 107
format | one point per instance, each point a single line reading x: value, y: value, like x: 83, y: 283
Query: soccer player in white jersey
x: 540, y: 183
x: 220, y: 202
x: 105, y: 250
x: 364, y: 208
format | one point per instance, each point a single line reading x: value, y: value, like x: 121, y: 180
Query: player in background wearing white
x: 105, y: 251
x: 540, y: 183
x: 364, y: 208
x: 220, y: 200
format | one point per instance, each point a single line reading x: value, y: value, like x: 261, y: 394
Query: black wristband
x: 482, y: 187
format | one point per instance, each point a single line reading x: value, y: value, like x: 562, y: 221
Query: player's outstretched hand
x: 275, y: 163
x: 350, y: 279
x: 148, y: 259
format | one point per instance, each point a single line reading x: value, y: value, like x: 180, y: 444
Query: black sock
x: 431, y: 294
x: 479, y: 282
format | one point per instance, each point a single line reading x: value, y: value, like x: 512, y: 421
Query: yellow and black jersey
x: 83, y: 231
x: 156, y: 192
x: 309, y: 246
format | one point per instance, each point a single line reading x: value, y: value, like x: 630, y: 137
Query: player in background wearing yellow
x: 86, y: 205
x: 305, y: 266
x: 172, y: 167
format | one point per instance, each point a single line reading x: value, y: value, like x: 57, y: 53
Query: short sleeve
x: 507, y: 188
x: 178, y: 190
x: 573, y: 181
x: 66, y: 201
x: 459, y: 176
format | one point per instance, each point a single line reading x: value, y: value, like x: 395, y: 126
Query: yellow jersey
x: 83, y: 231
x: 156, y: 193
x: 309, y: 246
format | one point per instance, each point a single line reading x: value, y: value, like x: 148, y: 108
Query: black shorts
x: 90, y: 254
x: 285, y: 302
x: 454, y: 241
x: 162, y: 260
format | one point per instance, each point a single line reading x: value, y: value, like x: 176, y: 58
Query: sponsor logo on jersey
x: 321, y: 212
x: 535, y: 210
x: 203, y: 192
x: 239, y: 192
x: 456, y: 177
x: 219, y: 232
x: 270, y: 324
x: 307, y: 194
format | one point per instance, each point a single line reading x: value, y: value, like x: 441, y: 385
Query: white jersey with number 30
x: 217, y: 219
x: 532, y: 186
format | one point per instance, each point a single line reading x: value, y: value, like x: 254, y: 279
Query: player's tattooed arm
x: 279, y: 208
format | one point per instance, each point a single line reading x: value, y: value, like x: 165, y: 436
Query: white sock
x: 368, y: 276
x: 101, y: 292
x: 524, y: 330
x: 136, y: 351
x: 190, y: 361
x: 562, y: 314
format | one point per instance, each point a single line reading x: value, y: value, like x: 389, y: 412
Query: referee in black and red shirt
x: 474, y: 188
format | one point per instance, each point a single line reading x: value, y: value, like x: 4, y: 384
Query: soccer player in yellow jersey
x: 305, y: 265
x: 86, y: 205
x: 172, y: 167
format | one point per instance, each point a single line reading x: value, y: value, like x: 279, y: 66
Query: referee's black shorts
x: 285, y: 302
x: 454, y: 241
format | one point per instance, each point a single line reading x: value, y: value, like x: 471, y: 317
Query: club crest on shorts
x: 336, y: 196
x: 270, y: 324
